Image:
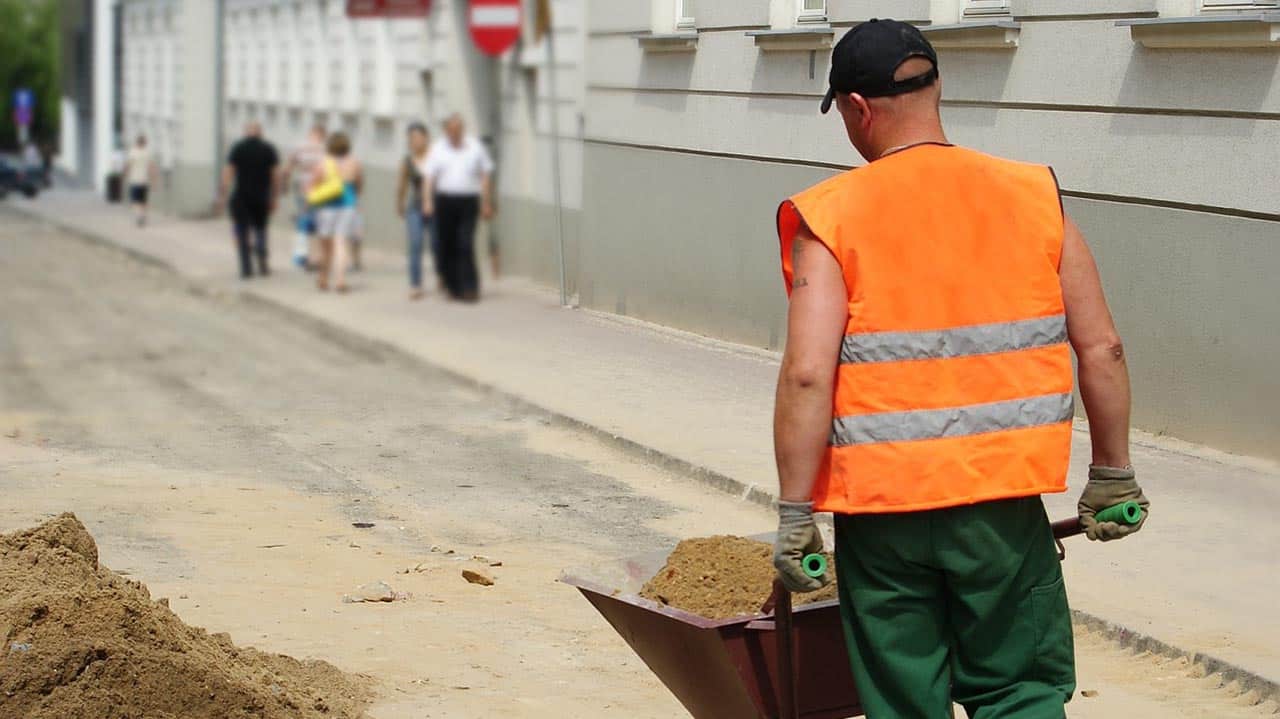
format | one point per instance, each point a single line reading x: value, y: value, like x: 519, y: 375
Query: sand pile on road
x: 81, y: 642
x: 721, y: 577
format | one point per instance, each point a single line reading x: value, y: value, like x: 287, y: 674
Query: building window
x: 685, y: 14
x: 980, y: 8
x: 811, y: 11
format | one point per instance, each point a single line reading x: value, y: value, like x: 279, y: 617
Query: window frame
x: 986, y: 8
x: 809, y: 15
x: 684, y: 20
x: 1237, y: 5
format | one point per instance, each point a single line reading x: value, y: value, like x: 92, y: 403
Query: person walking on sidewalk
x: 335, y: 190
x: 251, y: 169
x: 418, y: 226
x: 297, y: 172
x: 457, y: 191
x: 925, y: 397
x: 139, y: 171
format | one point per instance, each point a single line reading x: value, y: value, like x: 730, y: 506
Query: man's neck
x: 910, y: 137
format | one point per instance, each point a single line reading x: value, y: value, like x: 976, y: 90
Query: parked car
x: 15, y: 178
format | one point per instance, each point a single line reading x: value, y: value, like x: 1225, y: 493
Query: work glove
x: 798, y: 536
x: 1107, y: 487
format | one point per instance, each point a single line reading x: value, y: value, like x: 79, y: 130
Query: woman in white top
x: 139, y: 169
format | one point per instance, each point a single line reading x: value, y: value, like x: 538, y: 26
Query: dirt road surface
x: 221, y: 452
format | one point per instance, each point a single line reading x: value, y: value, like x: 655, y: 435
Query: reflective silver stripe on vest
x: 953, y: 421
x: 957, y: 342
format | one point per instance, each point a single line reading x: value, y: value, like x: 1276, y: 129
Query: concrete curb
x: 1246, y: 681
x: 1228, y: 674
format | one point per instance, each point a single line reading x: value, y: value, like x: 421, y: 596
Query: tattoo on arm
x: 797, y: 249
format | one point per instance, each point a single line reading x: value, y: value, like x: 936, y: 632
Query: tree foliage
x: 30, y: 57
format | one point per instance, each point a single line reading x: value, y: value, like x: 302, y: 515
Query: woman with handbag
x: 335, y: 189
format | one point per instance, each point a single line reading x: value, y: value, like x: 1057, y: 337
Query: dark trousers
x: 456, y: 217
x: 249, y: 218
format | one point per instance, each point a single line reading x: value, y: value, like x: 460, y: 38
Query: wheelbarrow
x: 782, y: 663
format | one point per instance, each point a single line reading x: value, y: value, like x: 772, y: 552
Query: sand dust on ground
x: 722, y: 577
x: 80, y: 640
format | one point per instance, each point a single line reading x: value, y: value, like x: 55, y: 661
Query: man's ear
x: 863, y: 108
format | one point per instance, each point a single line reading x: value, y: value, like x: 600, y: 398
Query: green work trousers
x: 964, y: 604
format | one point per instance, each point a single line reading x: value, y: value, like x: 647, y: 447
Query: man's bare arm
x: 486, y: 195
x: 1104, y: 375
x: 224, y: 187
x: 816, y: 323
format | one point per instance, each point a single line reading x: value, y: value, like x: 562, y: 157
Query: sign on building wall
x: 388, y: 8
x: 494, y: 24
x: 406, y: 8
x: 24, y: 105
x: 364, y: 8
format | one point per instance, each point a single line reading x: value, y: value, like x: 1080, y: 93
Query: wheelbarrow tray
x: 723, y: 668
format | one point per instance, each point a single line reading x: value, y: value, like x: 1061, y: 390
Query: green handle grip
x: 814, y: 565
x: 1123, y: 513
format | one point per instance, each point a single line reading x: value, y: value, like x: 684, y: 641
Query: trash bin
x: 115, y: 187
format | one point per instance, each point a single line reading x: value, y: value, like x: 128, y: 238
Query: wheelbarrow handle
x: 780, y: 604
x: 1067, y: 528
x: 788, y: 704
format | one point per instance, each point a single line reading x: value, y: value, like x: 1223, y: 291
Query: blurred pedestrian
x: 335, y: 191
x: 46, y: 162
x: 356, y: 239
x: 139, y: 170
x: 33, y: 164
x: 251, y: 169
x: 456, y: 192
x: 303, y: 161
x: 419, y: 227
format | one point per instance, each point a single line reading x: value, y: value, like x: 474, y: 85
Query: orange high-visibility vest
x: 955, y: 380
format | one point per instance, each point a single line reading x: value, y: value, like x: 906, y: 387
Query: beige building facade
x: 1161, y: 119
x: 681, y: 124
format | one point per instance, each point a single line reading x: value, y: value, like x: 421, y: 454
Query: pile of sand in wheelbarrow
x: 81, y: 642
x: 722, y: 577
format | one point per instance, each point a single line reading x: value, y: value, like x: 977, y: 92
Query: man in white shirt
x: 456, y: 190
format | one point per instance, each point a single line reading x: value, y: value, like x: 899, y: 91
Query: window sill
x: 815, y: 38
x: 991, y: 34
x: 668, y: 42
x: 1228, y: 30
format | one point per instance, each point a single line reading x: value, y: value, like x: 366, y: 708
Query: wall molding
x: 949, y: 102
x: 1076, y: 194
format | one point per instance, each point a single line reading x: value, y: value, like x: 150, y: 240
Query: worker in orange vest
x: 925, y: 398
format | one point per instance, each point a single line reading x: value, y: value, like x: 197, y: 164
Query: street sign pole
x: 555, y: 162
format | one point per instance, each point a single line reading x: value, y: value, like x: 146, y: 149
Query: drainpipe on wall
x: 219, y: 92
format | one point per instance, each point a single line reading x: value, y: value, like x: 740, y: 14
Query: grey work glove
x: 1109, y: 486
x: 798, y: 536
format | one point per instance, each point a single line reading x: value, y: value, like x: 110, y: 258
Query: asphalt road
x: 220, y: 450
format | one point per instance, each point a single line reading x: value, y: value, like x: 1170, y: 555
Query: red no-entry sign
x: 494, y: 24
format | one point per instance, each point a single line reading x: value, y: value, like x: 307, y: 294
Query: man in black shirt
x: 251, y: 169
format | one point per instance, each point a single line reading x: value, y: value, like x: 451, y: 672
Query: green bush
x: 29, y: 57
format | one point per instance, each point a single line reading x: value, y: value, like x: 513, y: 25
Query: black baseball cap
x: 866, y: 58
